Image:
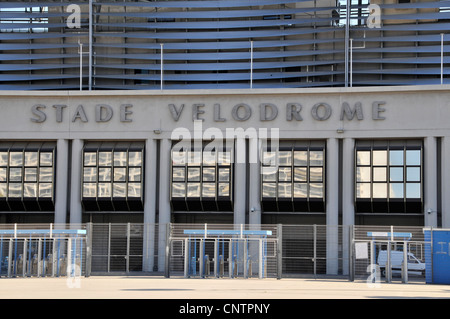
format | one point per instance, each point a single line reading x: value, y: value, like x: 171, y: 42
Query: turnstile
x: 225, y: 257
x: 41, y: 257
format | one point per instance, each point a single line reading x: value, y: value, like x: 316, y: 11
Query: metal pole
x: 442, y: 58
x: 81, y: 64
x: 127, y: 257
x: 388, y: 263
x: 162, y: 64
x: 351, y: 62
x: 90, y: 43
x: 167, y: 253
x: 347, y: 35
x: 315, y: 250
x: 279, y: 251
x: 88, y: 249
x: 186, y: 258
x: 405, y: 263
x: 251, y: 64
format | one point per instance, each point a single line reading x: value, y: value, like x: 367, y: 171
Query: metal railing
x: 209, y: 250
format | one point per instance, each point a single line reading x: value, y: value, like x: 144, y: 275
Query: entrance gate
x: 218, y: 253
x: 389, y: 253
x: 42, y: 253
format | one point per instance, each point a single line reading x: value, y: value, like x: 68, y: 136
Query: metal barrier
x: 42, y: 252
x: 215, y: 251
x: 387, y: 255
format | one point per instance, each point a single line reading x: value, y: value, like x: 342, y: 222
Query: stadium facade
x: 237, y: 112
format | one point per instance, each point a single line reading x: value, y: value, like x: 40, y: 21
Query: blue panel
x: 441, y: 257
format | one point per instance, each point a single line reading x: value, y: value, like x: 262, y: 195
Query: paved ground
x: 139, y: 287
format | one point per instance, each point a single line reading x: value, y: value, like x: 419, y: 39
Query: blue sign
x: 437, y: 256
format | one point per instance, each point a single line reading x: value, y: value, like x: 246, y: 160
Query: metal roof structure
x: 219, y: 44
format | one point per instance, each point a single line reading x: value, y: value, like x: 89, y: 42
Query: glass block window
x: 112, y: 177
x: 293, y: 177
x: 27, y: 176
x: 201, y: 179
x: 389, y: 176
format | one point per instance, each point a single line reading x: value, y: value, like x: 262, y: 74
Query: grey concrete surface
x: 140, y: 287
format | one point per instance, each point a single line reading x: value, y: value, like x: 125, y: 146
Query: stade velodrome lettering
x: 320, y: 111
x: 268, y: 111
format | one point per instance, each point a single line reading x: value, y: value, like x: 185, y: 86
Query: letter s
x: 36, y: 111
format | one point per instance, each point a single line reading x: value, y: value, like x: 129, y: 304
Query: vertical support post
x: 254, y: 189
x: 62, y: 169
x: 405, y: 263
x: 91, y: 31
x: 201, y: 258
x: 216, y: 258
x: 75, y: 189
x: 351, y: 61
x: 162, y: 65
x: 127, y: 257
x: 261, y: 261
x: 81, y: 64
x: 24, y: 257
x: 315, y: 249
x: 109, y: 247
x: 230, y: 259
x: 69, y: 258
x: 351, y: 256
x: 348, y: 208
x: 186, y: 258
x: 442, y: 58
x: 245, y: 261
x: 167, y: 252
x: 10, y: 248
x: 151, y: 160
x: 240, y: 180
x: 251, y: 64
x: 279, y: 251
x: 39, y: 261
x: 164, y: 204
x: 388, y: 267
x: 332, y: 208
x: 347, y: 35
x: 445, y: 180
x: 430, y: 181
x: 89, y: 231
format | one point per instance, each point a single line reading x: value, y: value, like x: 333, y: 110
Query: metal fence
x: 42, y: 250
x: 210, y: 250
x: 388, y: 253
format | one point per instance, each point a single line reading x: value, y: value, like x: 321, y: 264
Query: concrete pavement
x: 143, y: 287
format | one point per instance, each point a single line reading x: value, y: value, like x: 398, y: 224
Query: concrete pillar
x: 240, y: 186
x: 164, y: 199
x: 430, y: 181
x: 332, y: 208
x: 150, y: 203
x: 445, y: 160
x: 62, y: 181
x: 75, y: 183
x: 254, y: 182
x: 348, y: 205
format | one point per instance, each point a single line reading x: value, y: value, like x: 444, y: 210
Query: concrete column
x: 75, y: 183
x: 445, y: 160
x: 430, y: 181
x: 254, y: 182
x: 150, y: 203
x: 62, y: 181
x: 240, y: 186
x: 332, y: 208
x: 164, y: 199
x: 348, y: 205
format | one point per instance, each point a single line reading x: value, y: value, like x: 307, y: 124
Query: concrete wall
x: 402, y: 112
